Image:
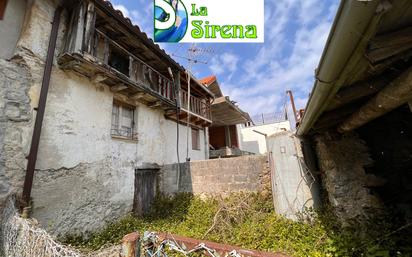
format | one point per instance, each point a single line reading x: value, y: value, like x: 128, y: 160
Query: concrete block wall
x: 217, y: 176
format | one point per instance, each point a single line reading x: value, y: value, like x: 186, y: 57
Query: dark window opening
x: 389, y: 139
x: 195, y: 139
x: 119, y: 61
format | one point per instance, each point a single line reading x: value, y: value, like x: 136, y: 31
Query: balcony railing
x: 198, y: 106
x: 109, y: 53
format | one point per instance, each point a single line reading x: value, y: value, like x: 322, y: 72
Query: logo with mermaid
x: 170, y: 20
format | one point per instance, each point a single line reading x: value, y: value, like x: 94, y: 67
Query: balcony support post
x: 89, y: 28
x: 227, y: 137
x: 177, y: 88
x: 76, y: 30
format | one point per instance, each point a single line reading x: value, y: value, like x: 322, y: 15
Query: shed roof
x: 369, y: 45
x: 224, y: 111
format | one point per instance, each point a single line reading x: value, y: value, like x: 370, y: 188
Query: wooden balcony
x: 199, y: 114
x: 106, y: 61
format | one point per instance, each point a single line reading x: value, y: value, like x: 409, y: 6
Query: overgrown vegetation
x: 248, y: 221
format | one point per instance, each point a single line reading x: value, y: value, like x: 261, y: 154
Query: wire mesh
x: 20, y: 237
x: 269, y: 118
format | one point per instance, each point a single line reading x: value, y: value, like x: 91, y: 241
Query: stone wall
x: 15, y: 123
x: 217, y: 176
x: 342, y: 159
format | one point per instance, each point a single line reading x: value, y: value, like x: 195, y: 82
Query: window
x: 123, y: 121
x: 195, y: 139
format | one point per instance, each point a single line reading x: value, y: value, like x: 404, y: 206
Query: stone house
x: 357, y: 126
x: 116, y: 102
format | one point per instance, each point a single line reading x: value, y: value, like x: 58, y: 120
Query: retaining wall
x: 217, y: 176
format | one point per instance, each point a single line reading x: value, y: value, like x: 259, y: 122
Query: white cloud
x: 226, y: 62
x: 139, y: 17
x: 271, y: 71
x: 295, y: 35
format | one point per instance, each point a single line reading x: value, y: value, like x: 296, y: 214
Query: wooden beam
x: 76, y: 37
x: 138, y: 96
x: 118, y: 88
x: 89, y: 28
x: 183, y: 115
x: 397, y: 93
x: 198, y: 121
x: 387, y: 45
x: 358, y: 90
x: 332, y: 118
x: 154, y: 104
x: 98, y: 78
x: 69, y: 65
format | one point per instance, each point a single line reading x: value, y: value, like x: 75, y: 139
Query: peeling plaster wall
x: 342, y: 159
x: 83, y: 176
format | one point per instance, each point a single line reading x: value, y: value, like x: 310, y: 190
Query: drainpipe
x: 355, y: 23
x: 34, y: 147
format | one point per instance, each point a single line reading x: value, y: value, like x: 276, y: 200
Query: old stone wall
x: 15, y: 122
x: 217, y: 176
x: 342, y: 159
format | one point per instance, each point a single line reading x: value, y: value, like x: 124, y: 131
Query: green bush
x: 245, y: 220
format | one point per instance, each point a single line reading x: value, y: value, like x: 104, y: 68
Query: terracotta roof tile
x: 208, y: 80
x: 138, y: 31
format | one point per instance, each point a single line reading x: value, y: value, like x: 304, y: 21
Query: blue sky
x: 257, y: 75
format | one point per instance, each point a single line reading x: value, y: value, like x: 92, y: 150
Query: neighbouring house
x: 252, y: 135
x: 116, y: 108
x: 226, y: 116
x: 357, y: 125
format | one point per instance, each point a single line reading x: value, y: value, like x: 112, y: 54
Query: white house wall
x: 253, y: 142
x: 83, y: 176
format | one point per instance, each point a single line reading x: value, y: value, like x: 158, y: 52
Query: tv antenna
x: 195, y: 55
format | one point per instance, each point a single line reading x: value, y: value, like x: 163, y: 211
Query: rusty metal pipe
x: 34, y: 146
x: 219, y: 248
x: 292, y: 102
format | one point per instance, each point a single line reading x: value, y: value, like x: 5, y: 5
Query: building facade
x: 223, y: 134
x: 116, y: 102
